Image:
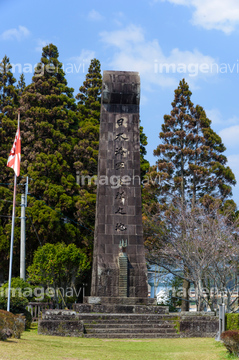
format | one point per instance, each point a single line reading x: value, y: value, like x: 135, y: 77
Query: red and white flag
x: 15, y: 154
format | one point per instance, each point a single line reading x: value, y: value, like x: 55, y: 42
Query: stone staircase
x: 129, y: 326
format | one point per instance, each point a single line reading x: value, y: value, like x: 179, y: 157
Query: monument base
x: 100, y: 300
x: 126, y: 326
x: 119, y: 305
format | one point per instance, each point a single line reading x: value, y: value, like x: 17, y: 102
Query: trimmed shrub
x: 230, y: 339
x: 232, y: 321
x: 17, y: 306
x: 11, y: 325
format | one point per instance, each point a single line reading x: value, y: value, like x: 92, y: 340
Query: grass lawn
x: 32, y: 346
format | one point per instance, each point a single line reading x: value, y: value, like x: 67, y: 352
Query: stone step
x: 131, y: 335
x: 126, y: 317
x: 135, y: 331
x: 130, y: 326
x: 120, y: 309
x: 128, y: 321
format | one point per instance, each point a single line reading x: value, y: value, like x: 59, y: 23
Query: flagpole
x: 12, y: 232
x: 11, y: 249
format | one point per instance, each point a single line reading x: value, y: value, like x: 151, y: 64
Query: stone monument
x: 119, y: 267
x: 118, y: 306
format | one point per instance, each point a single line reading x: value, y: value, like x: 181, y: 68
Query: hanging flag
x: 15, y: 154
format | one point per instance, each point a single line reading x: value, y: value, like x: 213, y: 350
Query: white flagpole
x: 12, y: 234
x: 11, y: 248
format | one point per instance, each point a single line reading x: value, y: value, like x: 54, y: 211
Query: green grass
x: 32, y: 346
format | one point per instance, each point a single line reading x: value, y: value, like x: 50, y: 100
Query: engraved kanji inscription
x: 120, y: 137
x: 119, y: 165
x: 119, y: 195
x: 120, y: 227
x: 119, y: 151
x: 124, y: 181
x: 120, y: 121
x: 120, y: 210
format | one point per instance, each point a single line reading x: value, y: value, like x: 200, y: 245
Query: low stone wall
x: 60, y: 323
x: 198, y: 324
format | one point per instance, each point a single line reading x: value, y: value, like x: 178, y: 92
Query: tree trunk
x: 185, y: 303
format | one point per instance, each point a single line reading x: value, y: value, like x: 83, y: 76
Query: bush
x: 230, y: 339
x: 11, y: 325
x: 21, y: 289
x: 17, y: 306
x: 232, y: 321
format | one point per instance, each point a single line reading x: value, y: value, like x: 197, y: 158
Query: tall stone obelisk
x: 119, y: 267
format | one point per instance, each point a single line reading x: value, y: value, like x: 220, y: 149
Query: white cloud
x: 118, y: 18
x: 233, y: 163
x: 85, y: 56
x: 213, y: 14
x: 18, y: 34
x: 40, y: 44
x: 215, y: 116
x: 95, y: 16
x: 134, y: 52
x: 80, y: 63
x: 217, y: 119
x: 230, y: 136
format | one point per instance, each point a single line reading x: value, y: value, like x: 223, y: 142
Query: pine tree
x: 21, y: 84
x: 89, y: 119
x: 8, y: 115
x: 144, y: 164
x: 191, y: 153
x: 49, y: 134
x: 8, y: 126
x: 191, y: 160
x: 8, y: 93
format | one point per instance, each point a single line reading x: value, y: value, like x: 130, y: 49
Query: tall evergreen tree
x: 191, y: 153
x: 87, y: 146
x: 21, y: 84
x: 8, y: 126
x: 49, y: 127
x: 191, y: 160
x: 8, y: 92
x: 89, y: 119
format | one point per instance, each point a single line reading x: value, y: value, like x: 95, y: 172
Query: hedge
x: 232, y: 321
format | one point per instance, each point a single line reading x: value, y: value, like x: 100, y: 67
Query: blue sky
x: 165, y: 40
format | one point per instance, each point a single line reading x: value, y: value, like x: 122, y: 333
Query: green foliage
x: 17, y: 304
x: 232, y: 321
x: 20, y: 288
x: 191, y: 154
x: 49, y: 130
x: 10, y: 325
x: 144, y: 164
x: 87, y: 145
x: 21, y: 293
x: 58, y: 265
x: 21, y: 84
x: 60, y: 140
x: 9, y: 101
